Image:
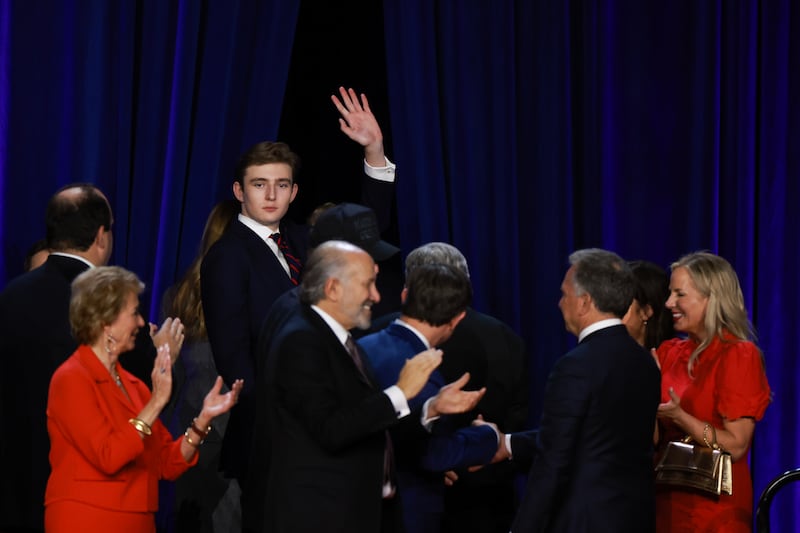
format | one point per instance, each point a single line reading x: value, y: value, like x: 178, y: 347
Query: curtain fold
x: 151, y: 101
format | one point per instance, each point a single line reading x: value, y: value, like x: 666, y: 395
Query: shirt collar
x: 73, y: 256
x: 338, y: 330
x: 602, y: 324
x: 415, y: 331
x: 260, y: 229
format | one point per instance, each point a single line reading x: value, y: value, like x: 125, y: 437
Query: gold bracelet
x: 141, y: 426
x: 188, y: 439
x: 200, y: 433
x: 714, y: 436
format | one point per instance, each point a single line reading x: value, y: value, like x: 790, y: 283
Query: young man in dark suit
x: 261, y: 256
x: 592, y: 457
x: 35, y: 339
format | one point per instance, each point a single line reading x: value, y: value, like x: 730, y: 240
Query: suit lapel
x: 267, y: 266
x: 339, y: 349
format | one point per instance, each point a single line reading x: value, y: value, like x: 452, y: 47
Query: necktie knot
x: 291, y: 259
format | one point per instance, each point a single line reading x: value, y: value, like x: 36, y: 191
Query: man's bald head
x: 75, y: 214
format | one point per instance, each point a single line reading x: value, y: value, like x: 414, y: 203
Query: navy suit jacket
x: 324, y: 425
x: 35, y: 338
x: 240, y: 278
x: 422, y: 457
x: 593, y: 463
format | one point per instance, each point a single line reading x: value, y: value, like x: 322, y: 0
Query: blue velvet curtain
x: 523, y: 130
x: 529, y: 129
x: 152, y: 101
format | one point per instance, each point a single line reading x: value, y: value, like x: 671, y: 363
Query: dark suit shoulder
x: 237, y: 237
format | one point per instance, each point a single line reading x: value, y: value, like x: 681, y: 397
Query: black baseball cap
x: 355, y: 224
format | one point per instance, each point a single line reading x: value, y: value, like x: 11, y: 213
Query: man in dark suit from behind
x: 435, y: 300
x: 592, y: 457
x: 495, y: 357
x: 35, y: 338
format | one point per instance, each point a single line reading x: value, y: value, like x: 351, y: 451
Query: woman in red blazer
x: 107, y: 447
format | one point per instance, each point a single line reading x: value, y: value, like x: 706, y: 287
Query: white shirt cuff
x: 508, y: 446
x: 398, y: 400
x: 381, y: 173
x: 426, y: 422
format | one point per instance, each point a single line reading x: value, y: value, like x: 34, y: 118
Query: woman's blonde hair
x: 98, y: 296
x: 186, y: 303
x: 715, y: 279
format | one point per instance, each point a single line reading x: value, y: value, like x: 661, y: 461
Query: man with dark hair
x: 495, y: 357
x: 74, y: 217
x: 261, y: 256
x: 330, y: 457
x: 435, y: 300
x: 592, y: 457
x: 35, y: 339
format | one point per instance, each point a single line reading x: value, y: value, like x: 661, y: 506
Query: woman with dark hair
x: 107, y: 447
x: 647, y: 320
x: 203, y: 499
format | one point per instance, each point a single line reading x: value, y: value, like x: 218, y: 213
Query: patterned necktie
x: 294, y: 262
x: 352, y: 349
x: 388, y: 450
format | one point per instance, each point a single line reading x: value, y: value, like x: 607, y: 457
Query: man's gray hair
x: 328, y: 260
x: 606, y: 277
x: 436, y: 253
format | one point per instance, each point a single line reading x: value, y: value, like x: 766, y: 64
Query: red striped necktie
x: 291, y: 259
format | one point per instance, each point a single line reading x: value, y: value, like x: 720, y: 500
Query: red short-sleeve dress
x: 729, y: 383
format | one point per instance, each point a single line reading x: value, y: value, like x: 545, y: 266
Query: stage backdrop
x: 529, y: 129
x: 523, y: 130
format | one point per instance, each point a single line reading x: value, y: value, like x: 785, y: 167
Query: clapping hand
x: 451, y: 399
x: 215, y: 403
x: 417, y: 370
x: 172, y: 332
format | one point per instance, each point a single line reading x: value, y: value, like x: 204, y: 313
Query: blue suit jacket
x: 593, y: 459
x: 422, y: 457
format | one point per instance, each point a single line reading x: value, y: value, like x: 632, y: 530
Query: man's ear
x: 458, y: 318
x: 333, y: 289
x: 404, y: 295
x: 585, y: 303
x: 101, y: 238
x: 294, y: 192
x: 237, y: 191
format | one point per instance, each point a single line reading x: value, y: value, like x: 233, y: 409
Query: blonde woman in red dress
x: 714, y: 386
